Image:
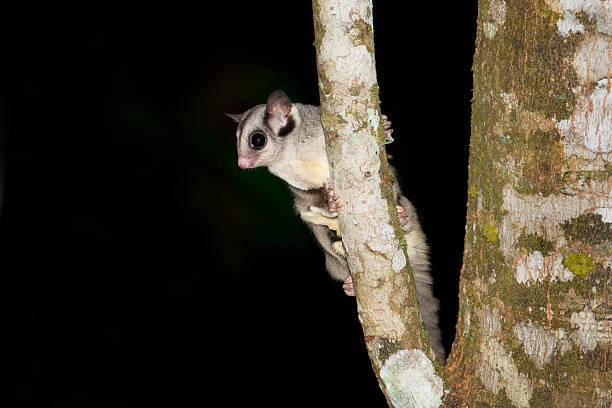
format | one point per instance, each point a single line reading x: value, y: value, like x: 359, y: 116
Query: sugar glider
x: 288, y: 138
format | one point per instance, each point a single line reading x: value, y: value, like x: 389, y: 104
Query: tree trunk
x: 535, y: 320
x: 384, y: 285
x: 535, y: 297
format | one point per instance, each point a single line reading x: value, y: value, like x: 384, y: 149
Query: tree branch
x: 384, y: 284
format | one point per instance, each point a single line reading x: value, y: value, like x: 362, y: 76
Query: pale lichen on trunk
x: 386, y: 295
x: 535, y: 317
x: 536, y: 301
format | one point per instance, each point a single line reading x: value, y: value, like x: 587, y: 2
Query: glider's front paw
x: 333, y: 199
x: 403, y: 217
x: 348, y: 287
x: 387, y: 125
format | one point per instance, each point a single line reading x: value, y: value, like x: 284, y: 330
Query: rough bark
x: 535, y: 315
x: 386, y: 295
x: 535, y: 320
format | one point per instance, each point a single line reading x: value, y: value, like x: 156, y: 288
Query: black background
x: 143, y: 265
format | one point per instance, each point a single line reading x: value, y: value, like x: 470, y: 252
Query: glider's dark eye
x: 258, y: 140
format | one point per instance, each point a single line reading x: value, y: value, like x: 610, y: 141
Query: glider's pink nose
x: 244, y: 162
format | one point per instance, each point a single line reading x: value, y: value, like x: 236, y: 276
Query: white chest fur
x: 303, y: 174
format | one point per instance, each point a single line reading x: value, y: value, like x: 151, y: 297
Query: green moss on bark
x: 536, y: 57
x: 318, y: 26
x: 542, y: 158
x: 362, y: 34
x: 587, y: 228
x: 572, y: 177
x: 534, y: 242
x: 523, y: 82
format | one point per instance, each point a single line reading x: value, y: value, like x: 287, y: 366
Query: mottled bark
x: 535, y: 299
x: 535, y: 320
x: 384, y: 285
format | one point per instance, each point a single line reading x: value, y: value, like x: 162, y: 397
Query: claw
x: 348, y: 287
x: 386, y: 121
x: 333, y: 199
x: 401, y: 212
x: 387, y: 128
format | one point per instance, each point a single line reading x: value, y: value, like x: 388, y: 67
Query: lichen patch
x: 399, y: 261
x: 579, y: 264
x: 373, y: 119
x: 497, y: 372
x: 490, y: 321
x: 586, y: 335
x: 590, y: 332
x: 490, y: 233
x: 497, y: 18
x: 535, y: 267
x: 597, y: 10
x: 568, y: 25
x: 591, y: 122
x: 339, y: 44
x: 411, y: 381
x: 593, y: 59
x: 549, y: 219
x: 606, y: 214
x: 538, y: 343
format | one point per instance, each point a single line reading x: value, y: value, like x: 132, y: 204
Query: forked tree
x: 535, y: 319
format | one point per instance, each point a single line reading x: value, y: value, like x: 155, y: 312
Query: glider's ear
x: 235, y: 116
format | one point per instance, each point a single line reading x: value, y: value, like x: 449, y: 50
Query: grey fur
x: 300, y: 159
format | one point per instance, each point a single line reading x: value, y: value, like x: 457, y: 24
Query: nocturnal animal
x: 288, y: 139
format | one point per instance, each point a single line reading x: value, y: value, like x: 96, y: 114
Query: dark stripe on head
x: 245, y: 119
x: 285, y: 130
x: 288, y: 128
x: 267, y: 118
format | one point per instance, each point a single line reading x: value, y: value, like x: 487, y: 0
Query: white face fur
x: 258, y: 141
x: 268, y: 135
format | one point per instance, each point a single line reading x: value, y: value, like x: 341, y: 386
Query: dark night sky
x: 143, y: 265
